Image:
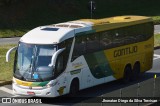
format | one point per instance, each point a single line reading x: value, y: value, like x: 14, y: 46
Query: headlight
x: 51, y: 84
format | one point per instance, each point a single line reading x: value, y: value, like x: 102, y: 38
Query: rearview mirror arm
x: 54, y: 57
x: 9, y: 52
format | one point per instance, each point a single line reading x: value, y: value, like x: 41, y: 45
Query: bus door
x: 60, y: 74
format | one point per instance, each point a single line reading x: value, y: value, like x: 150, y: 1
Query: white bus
x: 64, y: 58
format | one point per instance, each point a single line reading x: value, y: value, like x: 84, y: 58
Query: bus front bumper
x: 24, y: 91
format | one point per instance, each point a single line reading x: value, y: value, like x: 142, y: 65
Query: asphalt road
x: 6, y: 91
x: 157, y: 29
x: 9, y: 40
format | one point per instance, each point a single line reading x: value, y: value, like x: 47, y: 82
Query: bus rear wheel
x: 136, y: 71
x: 74, y: 88
x: 127, y: 74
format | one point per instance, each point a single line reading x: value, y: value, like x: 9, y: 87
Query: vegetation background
x: 19, y: 16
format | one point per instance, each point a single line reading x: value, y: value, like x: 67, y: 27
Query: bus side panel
x: 108, y: 65
x: 148, y: 61
x: 149, y: 51
x: 79, y: 69
x: 116, y: 67
x: 94, y: 69
x: 99, y: 67
x: 119, y: 57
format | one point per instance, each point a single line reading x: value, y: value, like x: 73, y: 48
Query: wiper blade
x: 19, y: 77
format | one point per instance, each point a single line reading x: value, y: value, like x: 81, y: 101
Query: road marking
x: 16, y: 96
x: 156, y: 56
x: 24, y: 96
x: 6, y: 90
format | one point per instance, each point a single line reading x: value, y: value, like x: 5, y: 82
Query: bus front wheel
x: 74, y: 88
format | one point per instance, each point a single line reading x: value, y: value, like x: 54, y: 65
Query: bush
x: 7, y: 2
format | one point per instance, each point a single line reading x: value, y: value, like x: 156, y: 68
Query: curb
x: 157, y: 47
x: 5, y: 83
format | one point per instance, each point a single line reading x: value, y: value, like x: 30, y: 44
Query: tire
x: 74, y: 88
x: 127, y: 74
x: 136, y: 71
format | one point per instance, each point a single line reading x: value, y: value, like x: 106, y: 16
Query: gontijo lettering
x: 125, y: 51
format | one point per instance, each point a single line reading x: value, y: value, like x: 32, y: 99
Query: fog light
x: 14, y: 90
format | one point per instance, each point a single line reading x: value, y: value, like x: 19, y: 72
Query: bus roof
x: 116, y: 22
x: 53, y: 34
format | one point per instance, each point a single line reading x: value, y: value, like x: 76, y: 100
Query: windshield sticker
x: 35, y: 76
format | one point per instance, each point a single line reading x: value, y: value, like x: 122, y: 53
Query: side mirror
x: 9, y: 52
x: 55, y: 55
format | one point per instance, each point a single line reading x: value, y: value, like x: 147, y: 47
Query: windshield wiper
x: 19, y: 76
x: 33, y: 61
x: 40, y: 78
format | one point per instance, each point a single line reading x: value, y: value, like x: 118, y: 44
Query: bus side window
x: 93, y: 43
x: 66, y: 44
x: 79, y: 47
x: 105, y: 40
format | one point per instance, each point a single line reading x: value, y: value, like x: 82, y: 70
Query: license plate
x: 30, y: 93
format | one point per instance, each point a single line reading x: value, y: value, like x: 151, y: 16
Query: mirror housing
x: 9, y: 52
x: 54, y: 57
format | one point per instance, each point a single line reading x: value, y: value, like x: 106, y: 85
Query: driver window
x: 59, y: 68
x: 60, y: 64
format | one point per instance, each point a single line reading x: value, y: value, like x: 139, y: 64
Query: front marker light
x: 49, y: 85
x: 13, y: 81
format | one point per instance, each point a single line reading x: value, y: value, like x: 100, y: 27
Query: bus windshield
x: 32, y: 62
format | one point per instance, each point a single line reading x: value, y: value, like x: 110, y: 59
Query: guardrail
x: 149, y: 89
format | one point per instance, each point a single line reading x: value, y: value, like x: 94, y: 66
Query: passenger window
x: 79, y: 47
x: 92, y: 43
